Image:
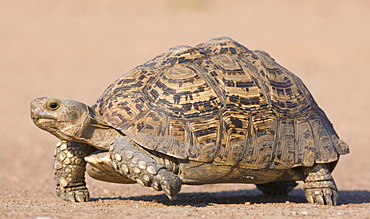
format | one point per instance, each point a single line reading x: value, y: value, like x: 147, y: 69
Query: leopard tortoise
x: 214, y: 113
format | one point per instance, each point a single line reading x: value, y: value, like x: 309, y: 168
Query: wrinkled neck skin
x: 92, y: 130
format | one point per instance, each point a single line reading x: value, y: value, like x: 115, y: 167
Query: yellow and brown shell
x: 223, y: 103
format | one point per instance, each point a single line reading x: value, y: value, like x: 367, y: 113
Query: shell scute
x: 223, y: 103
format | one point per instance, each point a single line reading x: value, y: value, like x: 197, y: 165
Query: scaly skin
x: 69, y: 170
x: 139, y: 166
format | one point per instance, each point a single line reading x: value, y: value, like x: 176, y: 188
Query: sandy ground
x: 75, y: 49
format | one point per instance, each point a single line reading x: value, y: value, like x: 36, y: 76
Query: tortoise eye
x: 53, y: 104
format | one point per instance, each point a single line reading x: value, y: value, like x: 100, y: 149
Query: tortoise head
x: 67, y: 119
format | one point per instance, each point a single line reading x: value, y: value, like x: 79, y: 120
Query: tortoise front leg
x: 136, y: 164
x: 69, y: 170
x: 319, y: 186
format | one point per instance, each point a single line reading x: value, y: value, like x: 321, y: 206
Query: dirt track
x: 75, y: 49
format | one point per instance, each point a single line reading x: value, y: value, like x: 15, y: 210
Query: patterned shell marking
x: 223, y: 103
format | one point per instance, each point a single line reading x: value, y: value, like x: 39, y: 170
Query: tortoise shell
x: 223, y: 103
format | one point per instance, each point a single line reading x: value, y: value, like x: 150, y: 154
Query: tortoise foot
x: 74, y: 194
x: 168, y: 182
x: 322, y: 196
x: 320, y: 187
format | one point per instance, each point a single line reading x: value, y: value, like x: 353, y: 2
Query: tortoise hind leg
x: 319, y: 186
x: 136, y: 163
x: 275, y: 189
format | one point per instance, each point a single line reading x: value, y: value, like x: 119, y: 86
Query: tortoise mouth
x: 44, y: 122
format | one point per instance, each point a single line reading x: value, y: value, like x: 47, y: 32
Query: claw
x: 310, y: 199
x: 70, y: 197
x: 328, y: 196
x: 319, y: 198
x: 170, y: 183
x: 78, y: 195
x: 81, y: 197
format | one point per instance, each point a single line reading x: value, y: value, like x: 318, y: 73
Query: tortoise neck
x: 101, y: 138
x: 97, y: 132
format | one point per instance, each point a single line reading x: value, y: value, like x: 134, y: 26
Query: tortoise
x: 214, y: 113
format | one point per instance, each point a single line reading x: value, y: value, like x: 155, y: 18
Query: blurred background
x: 74, y: 49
